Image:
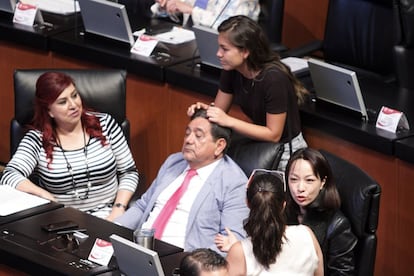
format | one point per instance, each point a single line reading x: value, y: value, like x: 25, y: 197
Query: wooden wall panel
x: 303, y: 21
x: 13, y: 57
x: 147, y: 110
x: 405, y: 219
x: 7, y: 271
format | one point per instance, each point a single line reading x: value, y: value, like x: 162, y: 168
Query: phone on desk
x: 59, y: 226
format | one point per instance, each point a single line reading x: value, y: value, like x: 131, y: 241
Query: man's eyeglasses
x: 278, y: 174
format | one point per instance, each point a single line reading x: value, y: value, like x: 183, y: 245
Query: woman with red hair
x: 79, y: 157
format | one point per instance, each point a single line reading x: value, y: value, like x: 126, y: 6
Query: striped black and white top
x: 110, y: 168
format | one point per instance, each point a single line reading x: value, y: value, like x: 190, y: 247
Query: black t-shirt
x: 267, y: 93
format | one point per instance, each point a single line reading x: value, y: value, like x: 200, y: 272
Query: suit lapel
x: 207, y: 189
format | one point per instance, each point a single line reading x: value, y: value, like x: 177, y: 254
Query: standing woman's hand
x: 218, y: 116
x: 193, y: 107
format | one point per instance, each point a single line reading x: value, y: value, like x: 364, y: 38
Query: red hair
x: 48, y: 88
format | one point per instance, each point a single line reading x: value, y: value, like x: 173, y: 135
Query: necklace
x: 247, y: 84
x: 70, y: 169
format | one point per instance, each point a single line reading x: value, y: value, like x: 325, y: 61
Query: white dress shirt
x: 174, y: 232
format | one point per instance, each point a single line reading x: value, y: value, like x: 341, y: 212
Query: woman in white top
x: 272, y: 247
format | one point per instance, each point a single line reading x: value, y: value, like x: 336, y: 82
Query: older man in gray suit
x: 214, y: 199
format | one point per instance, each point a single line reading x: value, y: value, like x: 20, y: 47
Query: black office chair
x: 271, y: 20
x: 360, y: 196
x: 250, y: 154
x: 404, y: 48
x: 359, y: 34
x: 102, y: 90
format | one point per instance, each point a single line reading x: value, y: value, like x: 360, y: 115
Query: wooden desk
x: 27, y: 247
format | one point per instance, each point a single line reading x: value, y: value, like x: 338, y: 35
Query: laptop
x: 106, y: 18
x: 206, y: 39
x: 134, y: 259
x: 337, y: 86
x: 7, y: 5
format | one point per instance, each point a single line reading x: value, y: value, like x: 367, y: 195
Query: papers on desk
x: 296, y: 64
x: 177, y: 35
x: 145, y: 44
x: 64, y: 7
x: 13, y: 200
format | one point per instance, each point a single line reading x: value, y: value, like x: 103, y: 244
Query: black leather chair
x: 359, y: 34
x: 360, y: 196
x: 102, y: 90
x: 250, y: 154
x: 271, y: 20
x: 404, y: 48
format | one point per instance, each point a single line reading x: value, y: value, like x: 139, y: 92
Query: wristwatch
x: 120, y: 205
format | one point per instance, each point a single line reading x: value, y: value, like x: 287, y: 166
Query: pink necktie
x: 169, y: 207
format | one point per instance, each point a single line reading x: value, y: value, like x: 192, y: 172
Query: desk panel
x: 36, y: 36
x: 404, y: 149
x: 25, y: 245
x: 405, y: 219
x: 7, y: 270
x: 194, y: 77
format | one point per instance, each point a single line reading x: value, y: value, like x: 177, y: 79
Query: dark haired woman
x: 314, y: 201
x: 256, y: 79
x: 272, y: 247
x: 80, y: 157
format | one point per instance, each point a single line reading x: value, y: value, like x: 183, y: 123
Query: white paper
x: 390, y: 119
x: 177, y: 35
x: 144, y: 45
x: 13, y: 201
x: 101, y: 252
x: 25, y: 14
x: 296, y: 64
